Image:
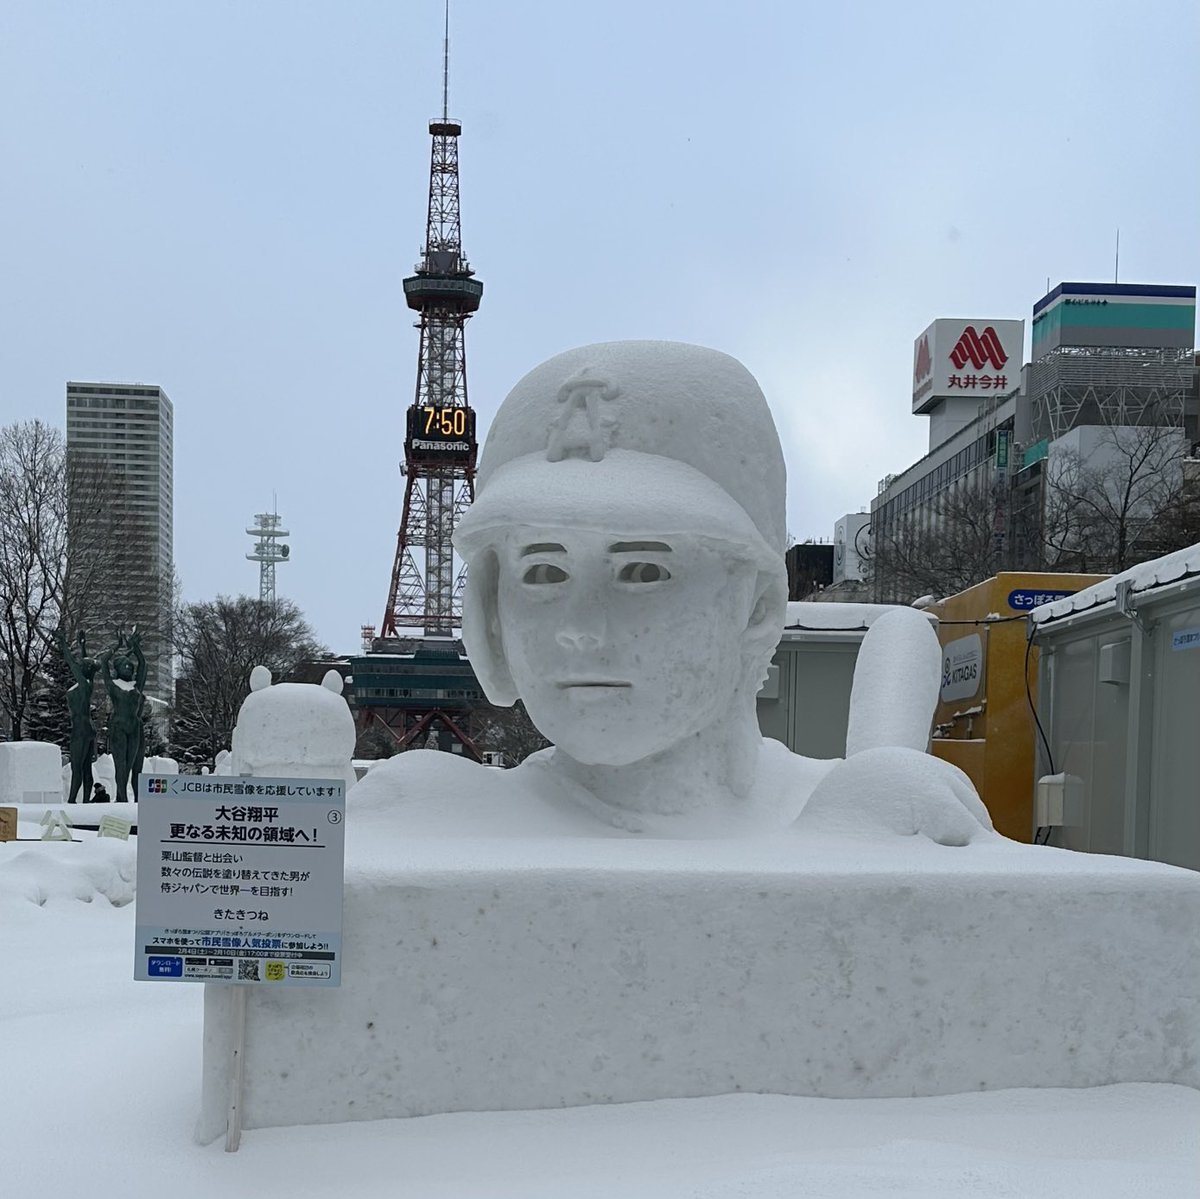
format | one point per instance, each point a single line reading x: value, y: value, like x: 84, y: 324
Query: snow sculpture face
x: 615, y: 644
x: 626, y: 548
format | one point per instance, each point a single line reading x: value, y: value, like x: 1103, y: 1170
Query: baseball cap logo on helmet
x: 582, y: 425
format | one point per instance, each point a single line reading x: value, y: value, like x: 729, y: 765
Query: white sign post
x: 240, y: 880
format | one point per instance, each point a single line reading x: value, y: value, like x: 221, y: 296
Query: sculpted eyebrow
x: 543, y: 547
x: 633, y: 547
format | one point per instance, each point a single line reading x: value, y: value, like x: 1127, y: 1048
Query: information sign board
x: 1186, y: 639
x: 240, y: 880
x: 962, y: 668
x: 1026, y: 598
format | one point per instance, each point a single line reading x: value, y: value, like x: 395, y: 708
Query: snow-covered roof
x: 802, y: 614
x: 1159, y: 572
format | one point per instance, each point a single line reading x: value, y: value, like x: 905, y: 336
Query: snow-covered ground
x: 101, y: 1081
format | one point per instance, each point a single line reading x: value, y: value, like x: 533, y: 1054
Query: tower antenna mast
x: 446, y: 67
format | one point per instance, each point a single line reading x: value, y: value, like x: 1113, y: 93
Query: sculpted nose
x: 583, y: 626
x: 578, y: 639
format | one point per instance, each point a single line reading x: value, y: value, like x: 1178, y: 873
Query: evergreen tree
x: 47, y: 717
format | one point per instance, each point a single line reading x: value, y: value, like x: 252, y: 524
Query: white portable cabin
x: 1120, y: 705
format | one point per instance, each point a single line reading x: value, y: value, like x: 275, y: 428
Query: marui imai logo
x: 981, y: 350
x: 924, y: 361
x: 978, y: 349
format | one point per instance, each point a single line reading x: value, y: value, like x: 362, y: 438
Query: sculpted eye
x: 643, y: 572
x: 544, y: 572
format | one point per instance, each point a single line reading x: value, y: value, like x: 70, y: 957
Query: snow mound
x: 98, y: 868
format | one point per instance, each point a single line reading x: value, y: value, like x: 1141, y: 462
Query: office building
x: 125, y: 431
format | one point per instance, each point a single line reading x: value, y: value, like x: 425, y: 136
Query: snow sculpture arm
x: 889, y: 783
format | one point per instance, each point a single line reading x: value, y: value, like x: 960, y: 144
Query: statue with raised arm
x: 82, y: 750
x: 125, y: 691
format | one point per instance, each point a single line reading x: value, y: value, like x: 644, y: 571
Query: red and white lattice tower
x: 439, y: 446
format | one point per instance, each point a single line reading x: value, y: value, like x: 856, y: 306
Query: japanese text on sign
x: 239, y: 891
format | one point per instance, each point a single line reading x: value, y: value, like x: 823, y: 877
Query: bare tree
x: 950, y: 546
x: 219, y: 642
x: 1119, y: 495
x: 1122, y: 502
x: 52, y: 569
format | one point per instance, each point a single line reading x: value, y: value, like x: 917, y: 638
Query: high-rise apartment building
x: 126, y: 430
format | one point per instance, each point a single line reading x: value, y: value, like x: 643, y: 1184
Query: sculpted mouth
x: 567, y: 684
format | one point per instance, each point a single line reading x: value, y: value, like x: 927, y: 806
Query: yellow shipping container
x: 983, y: 723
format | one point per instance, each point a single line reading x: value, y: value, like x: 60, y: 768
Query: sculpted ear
x: 769, y: 613
x: 481, y: 630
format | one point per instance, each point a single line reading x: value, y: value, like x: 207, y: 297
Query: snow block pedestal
x: 508, y: 974
x: 30, y: 772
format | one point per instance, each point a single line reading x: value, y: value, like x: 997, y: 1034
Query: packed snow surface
x: 101, y: 1087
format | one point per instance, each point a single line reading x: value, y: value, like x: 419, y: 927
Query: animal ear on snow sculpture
x: 332, y: 682
x: 481, y: 630
x: 260, y: 677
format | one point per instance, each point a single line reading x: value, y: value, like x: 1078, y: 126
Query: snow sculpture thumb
x: 896, y: 682
x: 899, y: 788
x: 294, y: 730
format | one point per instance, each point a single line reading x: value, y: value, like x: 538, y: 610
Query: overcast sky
x: 223, y: 198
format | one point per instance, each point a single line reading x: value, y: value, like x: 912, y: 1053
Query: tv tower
x: 439, y: 446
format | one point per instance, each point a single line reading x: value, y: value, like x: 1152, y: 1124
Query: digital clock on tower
x: 444, y: 430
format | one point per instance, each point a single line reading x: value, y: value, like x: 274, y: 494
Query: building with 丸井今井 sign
x: 1109, y: 400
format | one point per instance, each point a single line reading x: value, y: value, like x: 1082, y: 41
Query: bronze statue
x: 83, y: 729
x: 126, y: 696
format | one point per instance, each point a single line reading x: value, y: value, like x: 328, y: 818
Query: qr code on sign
x: 248, y: 971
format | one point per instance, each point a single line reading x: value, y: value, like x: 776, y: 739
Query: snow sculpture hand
x: 294, y: 730
x: 888, y: 783
x: 893, y: 790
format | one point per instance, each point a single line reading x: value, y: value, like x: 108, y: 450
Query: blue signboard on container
x: 1025, y: 599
